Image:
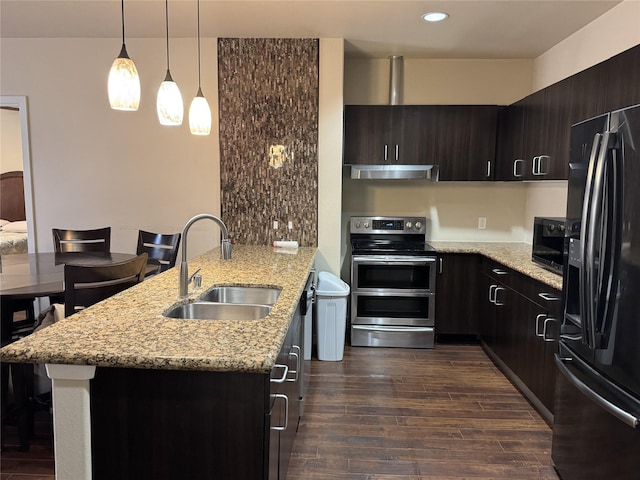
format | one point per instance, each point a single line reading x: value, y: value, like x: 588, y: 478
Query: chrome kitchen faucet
x: 184, y: 268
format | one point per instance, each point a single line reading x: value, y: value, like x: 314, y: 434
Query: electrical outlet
x: 290, y: 225
x: 482, y: 223
x: 275, y: 224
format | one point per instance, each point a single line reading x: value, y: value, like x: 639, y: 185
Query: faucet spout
x: 184, y: 267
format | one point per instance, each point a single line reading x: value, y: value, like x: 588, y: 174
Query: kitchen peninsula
x: 139, y: 395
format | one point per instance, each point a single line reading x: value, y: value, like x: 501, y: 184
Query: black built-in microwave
x: 548, y: 242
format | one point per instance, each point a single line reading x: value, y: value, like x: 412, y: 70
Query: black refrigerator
x: 597, y: 406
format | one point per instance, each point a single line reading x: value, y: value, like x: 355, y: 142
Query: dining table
x: 26, y: 276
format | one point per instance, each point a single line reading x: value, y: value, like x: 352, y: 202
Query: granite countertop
x: 516, y: 256
x: 129, y: 331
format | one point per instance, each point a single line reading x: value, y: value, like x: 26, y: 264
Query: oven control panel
x: 382, y: 225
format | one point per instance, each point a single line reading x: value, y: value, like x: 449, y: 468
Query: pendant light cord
x: 122, y: 22
x: 198, y: 44
x: 166, y: 16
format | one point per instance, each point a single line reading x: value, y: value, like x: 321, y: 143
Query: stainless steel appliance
x: 548, y: 242
x: 597, y: 406
x: 393, y: 276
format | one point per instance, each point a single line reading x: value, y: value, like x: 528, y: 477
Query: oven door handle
x: 371, y: 260
x: 379, y: 328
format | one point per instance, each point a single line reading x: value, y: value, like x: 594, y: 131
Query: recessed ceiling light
x: 435, y: 16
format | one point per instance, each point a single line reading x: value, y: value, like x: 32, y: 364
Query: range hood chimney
x: 396, y: 78
x: 393, y: 171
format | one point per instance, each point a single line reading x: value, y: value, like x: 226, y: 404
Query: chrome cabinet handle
x: 386, y: 152
x: 538, y: 317
x: 540, y: 170
x: 492, y: 293
x: 535, y: 169
x: 544, y: 330
x: 282, y: 396
x: 440, y: 265
x: 297, y: 355
x: 488, y: 168
x: 515, y: 167
x: 397, y: 152
x: 496, y: 302
x: 547, y: 296
x: 499, y: 271
x: 285, y: 370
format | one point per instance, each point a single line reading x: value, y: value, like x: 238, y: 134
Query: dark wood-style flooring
x: 389, y: 414
x: 400, y: 414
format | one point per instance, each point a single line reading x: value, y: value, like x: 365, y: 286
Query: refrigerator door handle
x: 586, y: 289
x: 628, y: 418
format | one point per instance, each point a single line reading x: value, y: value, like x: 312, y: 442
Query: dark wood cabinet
x: 460, y: 139
x: 167, y: 424
x: 534, y: 133
x: 457, y: 294
x: 466, y: 142
x: 623, y: 80
x: 519, y: 329
x: 388, y: 134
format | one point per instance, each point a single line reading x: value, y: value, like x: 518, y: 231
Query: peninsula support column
x: 71, y: 420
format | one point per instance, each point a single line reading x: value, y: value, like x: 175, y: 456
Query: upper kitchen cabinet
x: 534, y: 136
x: 623, y: 80
x: 465, y: 143
x: 460, y: 139
x: 388, y: 134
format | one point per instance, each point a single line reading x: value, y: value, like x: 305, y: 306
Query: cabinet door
x: 623, y: 80
x: 553, y: 156
x: 466, y: 142
x: 412, y: 135
x: 510, y: 157
x: 458, y: 278
x: 588, y: 98
x: 367, y: 134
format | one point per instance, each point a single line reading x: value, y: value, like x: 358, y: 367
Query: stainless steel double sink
x: 228, y: 303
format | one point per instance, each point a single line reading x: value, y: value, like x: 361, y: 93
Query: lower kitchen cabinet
x: 168, y: 424
x: 519, y: 330
x: 457, y: 294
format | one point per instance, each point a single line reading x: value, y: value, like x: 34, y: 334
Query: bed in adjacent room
x: 13, y: 223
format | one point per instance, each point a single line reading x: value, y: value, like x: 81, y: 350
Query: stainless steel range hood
x: 394, y: 172
x: 391, y: 171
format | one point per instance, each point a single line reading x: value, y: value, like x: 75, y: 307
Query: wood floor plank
x: 409, y: 414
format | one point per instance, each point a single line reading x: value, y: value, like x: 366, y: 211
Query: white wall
x: 93, y: 166
x: 10, y: 141
x: 613, y: 32
x: 330, y: 154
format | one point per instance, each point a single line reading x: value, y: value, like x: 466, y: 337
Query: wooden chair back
x: 97, y: 240
x: 85, y: 285
x: 161, y: 248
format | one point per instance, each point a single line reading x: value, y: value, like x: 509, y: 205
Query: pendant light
x: 124, y: 83
x: 199, y: 111
x: 169, y: 101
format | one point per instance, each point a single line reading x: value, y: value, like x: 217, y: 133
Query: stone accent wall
x: 268, y: 104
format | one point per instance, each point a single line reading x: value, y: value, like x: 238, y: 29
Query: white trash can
x: 331, y: 318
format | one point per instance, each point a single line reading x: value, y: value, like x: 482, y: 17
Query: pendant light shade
x: 169, y: 104
x: 124, y: 82
x: 199, y: 111
x: 200, y: 115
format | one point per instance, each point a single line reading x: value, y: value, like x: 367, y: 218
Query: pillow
x: 17, y: 227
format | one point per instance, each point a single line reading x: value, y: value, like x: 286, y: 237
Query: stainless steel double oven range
x: 393, y: 277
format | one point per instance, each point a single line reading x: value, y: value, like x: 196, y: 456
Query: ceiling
x: 486, y: 29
